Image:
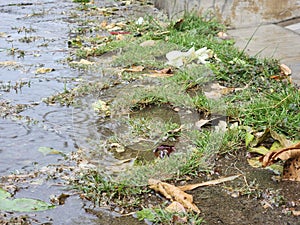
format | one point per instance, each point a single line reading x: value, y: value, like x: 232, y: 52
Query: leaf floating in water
x: 43, y: 70
x: 49, y: 151
x: 21, y: 204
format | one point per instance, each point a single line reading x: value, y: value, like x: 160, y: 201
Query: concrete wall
x: 236, y: 13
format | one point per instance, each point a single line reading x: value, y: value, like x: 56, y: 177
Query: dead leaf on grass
x: 199, y: 124
x: 167, y: 72
x: 285, y: 70
x: 134, y: 69
x: 217, y: 91
x: 285, y: 73
x: 291, y: 156
x: 174, y: 194
x: 175, y: 207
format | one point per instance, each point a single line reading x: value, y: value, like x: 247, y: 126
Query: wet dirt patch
x: 254, y: 198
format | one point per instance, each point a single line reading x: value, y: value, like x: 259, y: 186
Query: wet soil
x: 257, y: 197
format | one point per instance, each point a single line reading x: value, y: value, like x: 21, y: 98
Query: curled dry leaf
x: 176, y: 207
x: 285, y: 70
x: 283, y: 154
x: 134, y: 69
x: 174, y: 194
x: 291, y: 156
x: 167, y: 72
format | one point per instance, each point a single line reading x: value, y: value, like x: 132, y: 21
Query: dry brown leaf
x: 134, y: 69
x: 285, y: 70
x: 175, y: 207
x: 174, y: 194
x: 167, y: 72
x: 157, y: 75
x: 290, y: 152
x: 296, y: 213
x: 291, y: 169
x: 218, y: 90
x: 291, y: 156
x: 208, y: 183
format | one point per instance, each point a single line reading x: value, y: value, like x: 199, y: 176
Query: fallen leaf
x: 291, y: 156
x: 83, y: 62
x: 285, y: 70
x: 21, y: 204
x: 8, y: 63
x: 167, y: 72
x: 134, y: 69
x: 43, y: 70
x: 296, y: 213
x: 222, y: 35
x: 49, y: 151
x: 175, y: 207
x: 283, y: 154
x: 207, y: 183
x: 199, y: 124
x: 216, y: 90
x: 174, y: 194
x: 103, y: 24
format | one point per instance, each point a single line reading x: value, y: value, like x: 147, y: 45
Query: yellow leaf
x: 43, y: 70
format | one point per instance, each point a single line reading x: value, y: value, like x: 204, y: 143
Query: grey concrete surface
x: 272, y: 40
x: 236, y: 13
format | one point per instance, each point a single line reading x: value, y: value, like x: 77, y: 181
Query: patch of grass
x: 158, y: 169
x: 148, y: 56
x: 102, y: 190
x: 277, y: 109
x: 100, y: 49
x: 161, y: 216
x: 70, y: 97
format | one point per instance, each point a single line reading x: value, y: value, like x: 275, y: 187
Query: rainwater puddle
x: 34, y: 35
